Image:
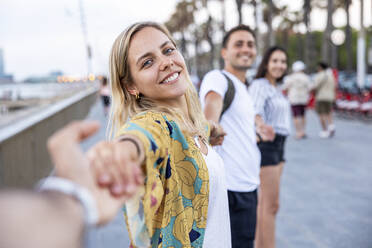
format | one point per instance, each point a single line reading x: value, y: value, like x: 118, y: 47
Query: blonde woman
x: 159, y: 125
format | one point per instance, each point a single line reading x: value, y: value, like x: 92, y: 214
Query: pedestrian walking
x: 298, y: 86
x: 158, y: 123
x: 225, y: 99
x: 273, y: 108
x: 325, y: 95
x: 105, y: 95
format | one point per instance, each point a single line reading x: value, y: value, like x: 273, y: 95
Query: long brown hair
x: 125, y: 105
x: 262, y: 69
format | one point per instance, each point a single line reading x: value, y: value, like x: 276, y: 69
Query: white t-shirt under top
x: 239, y: 150
x: 217, y: 232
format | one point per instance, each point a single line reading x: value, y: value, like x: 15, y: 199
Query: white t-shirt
x: 217, y: 232
x: 239, y: 150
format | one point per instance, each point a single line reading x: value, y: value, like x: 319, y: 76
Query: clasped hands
x: 111, y: 171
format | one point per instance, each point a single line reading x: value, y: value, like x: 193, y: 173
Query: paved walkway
x: 326, y: 191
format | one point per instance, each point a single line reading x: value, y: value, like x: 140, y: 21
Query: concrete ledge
x: 23, y: 154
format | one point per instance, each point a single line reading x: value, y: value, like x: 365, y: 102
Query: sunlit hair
x: 125, y: 105
x: 262, y: 68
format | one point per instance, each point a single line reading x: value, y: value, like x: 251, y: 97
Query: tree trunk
x: 209, y: 34
x: 349, y: 45
x: 270, y: 34
x: 308, y: 45
x: 223, y: 15
x: 327, y: 44
x: 239, y: 5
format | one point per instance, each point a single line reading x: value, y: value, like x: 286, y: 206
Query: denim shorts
x: 272, y: 152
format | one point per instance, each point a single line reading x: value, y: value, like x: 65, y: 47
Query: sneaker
x: 331, y: 130
x: 324, y: 134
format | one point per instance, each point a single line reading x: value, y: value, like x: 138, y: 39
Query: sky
x: 40, y: 36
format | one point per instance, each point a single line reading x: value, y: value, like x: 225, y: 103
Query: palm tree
x: 270, y: 34
x: 239, y: 6
x: 348, y: 43
x: 180, y: 21
x: 327, y: 44
x: 308, y: 40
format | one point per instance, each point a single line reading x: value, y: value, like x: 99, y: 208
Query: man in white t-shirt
x: 239, y: 149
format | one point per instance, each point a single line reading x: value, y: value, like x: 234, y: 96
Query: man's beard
x: 241, y: 67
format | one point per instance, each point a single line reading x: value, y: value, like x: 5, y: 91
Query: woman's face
x: 158, y: 70
x: 277, y: 64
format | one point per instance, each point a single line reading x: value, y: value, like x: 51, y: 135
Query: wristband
x: 134, y: 142
x: 80, y: 193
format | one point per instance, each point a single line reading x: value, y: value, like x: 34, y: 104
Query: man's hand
x: 266, y: 132
x: 217, y: 134
x: 71, y: 163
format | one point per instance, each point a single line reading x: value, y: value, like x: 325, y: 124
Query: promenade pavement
x: 326, y: 190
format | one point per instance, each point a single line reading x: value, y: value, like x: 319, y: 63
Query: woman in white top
x: 159, y: 126
x: 273, y: 108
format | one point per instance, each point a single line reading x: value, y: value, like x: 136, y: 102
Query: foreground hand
x: 266, y: 132
x: 71, y: 163
x: 217, y: 134
x: 116, y: 166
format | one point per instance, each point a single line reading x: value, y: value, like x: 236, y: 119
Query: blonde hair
x: 125, y: 105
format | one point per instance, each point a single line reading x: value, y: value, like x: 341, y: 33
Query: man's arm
x: 212, y: 111
x: 213, y: 106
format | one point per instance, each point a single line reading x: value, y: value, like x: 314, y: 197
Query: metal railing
x: 24, y: 159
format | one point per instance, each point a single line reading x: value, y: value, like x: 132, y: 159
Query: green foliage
x: 292, y: 41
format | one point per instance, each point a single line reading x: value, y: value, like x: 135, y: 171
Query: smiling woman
x: 158, y: 124
x: 273, y: 108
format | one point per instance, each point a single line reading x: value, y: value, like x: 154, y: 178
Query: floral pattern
x: 170, y: 210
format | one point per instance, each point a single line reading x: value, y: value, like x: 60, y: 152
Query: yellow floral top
x: 171, y: 209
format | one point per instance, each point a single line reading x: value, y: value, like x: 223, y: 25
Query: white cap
x: 298, y: 66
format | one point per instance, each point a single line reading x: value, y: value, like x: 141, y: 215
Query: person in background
x: 67, y: 203
x: 105, y: 95
x: 157, y: 120
x: 273, y: 108
x: 298, y: 86
x: 239, y: 149
x: 325, y: 95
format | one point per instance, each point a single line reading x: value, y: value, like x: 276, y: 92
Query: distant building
x: 52, y: 77
x: 1, y: 62
x: 4, y: 78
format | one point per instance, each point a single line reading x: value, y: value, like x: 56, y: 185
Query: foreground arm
x: 50, y: 218
x: 43, y: 220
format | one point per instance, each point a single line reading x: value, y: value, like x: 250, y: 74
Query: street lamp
x: 361, y: 59
x: 337, y: 39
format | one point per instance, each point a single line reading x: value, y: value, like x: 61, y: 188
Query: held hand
x: 217, y: 134
x: 116, y: 166
x: 266, y: 132
x: 71, y: 163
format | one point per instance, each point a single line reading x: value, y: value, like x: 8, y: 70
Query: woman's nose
x: 166, y: 63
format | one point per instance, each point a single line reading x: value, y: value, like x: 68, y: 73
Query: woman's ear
x: 132, y: 89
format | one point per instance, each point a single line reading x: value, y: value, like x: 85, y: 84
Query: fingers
x: 73, y: 133
x: 114, y: 169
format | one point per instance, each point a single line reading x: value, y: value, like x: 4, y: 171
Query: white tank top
x: 217, y: 232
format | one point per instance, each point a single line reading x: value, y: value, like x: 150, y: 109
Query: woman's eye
x: 168, y: 50
x: 147, y: 62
